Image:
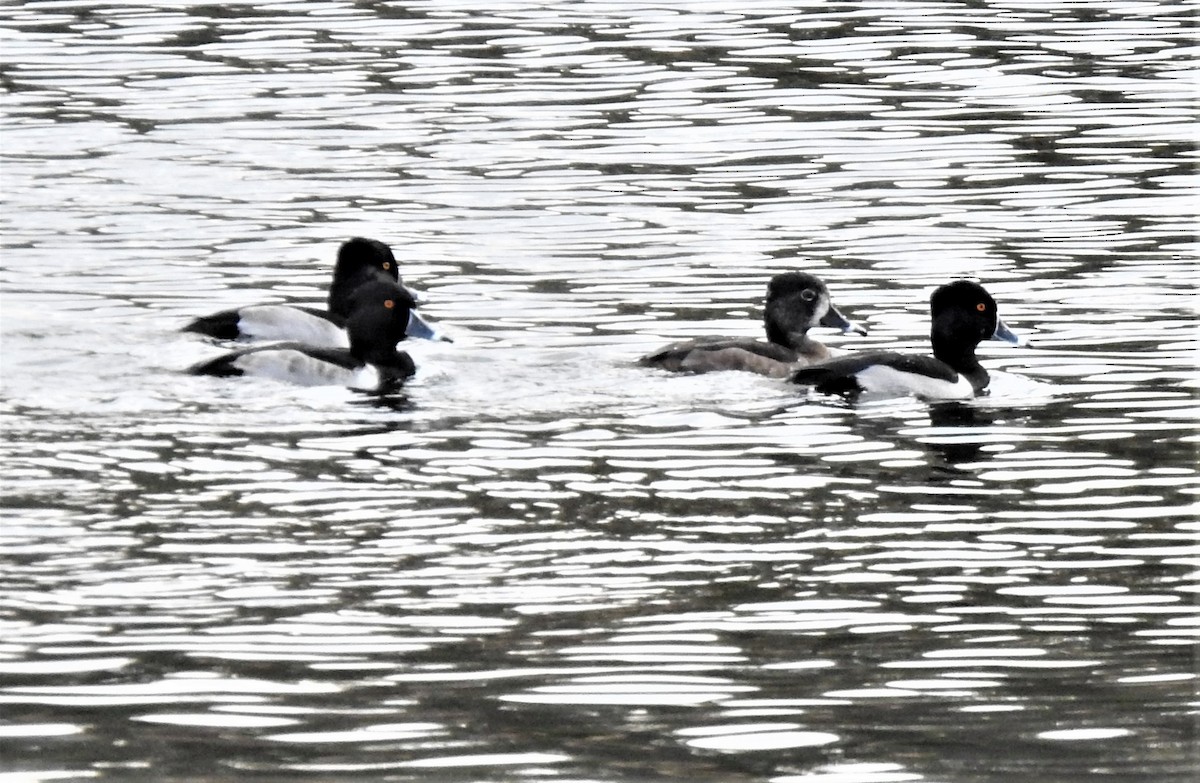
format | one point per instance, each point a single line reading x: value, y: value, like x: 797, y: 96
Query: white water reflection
x: 751, y: 737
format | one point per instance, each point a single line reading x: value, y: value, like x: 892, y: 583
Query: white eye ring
x: 808, y: 295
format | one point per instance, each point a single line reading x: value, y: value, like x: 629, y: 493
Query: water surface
x: 542, y: 561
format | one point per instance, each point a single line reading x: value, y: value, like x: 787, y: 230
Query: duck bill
x: 1007, y: 335
x: 419, y: 329
x: 835, y: 320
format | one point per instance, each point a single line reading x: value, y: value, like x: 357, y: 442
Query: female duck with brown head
x: 796, y: 302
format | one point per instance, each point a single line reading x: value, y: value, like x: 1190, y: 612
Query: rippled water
x: 543, y: 562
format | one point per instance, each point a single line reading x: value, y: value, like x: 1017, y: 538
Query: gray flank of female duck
x: 796, y: 302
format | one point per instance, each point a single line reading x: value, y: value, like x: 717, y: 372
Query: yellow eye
x: 387, y: 265
x: 388, y: 303
x: 981, y: 307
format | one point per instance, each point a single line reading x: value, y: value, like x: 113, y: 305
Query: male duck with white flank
x: 796, y: 302
x: 359, y: 261
x: 963, y: 315
x: 378, y: 318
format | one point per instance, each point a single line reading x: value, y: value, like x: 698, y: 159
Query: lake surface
x: 542, y: 562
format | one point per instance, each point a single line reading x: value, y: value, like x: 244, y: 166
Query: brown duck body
x: 796, y: 302
x: 715, y: 354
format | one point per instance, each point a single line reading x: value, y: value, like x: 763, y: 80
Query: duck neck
x: 393, y: 366
x: 395, y: 373
x: 798, y: 343
x: 960, y: 357
x: 372, y: 352
x: 777, y: 334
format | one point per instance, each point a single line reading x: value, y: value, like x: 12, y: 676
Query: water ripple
x: 541, y: 559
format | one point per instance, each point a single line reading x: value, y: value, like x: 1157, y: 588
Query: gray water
x: 542, y: 562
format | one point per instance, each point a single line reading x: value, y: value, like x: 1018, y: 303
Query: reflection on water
x: 544, y: 561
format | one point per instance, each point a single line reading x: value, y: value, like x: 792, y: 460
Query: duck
x: 359, y: 260
x: 796, y: 302
x: 963, y: 314
x: 377, y: 321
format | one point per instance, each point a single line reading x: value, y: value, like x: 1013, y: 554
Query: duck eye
x: 389, y: 304
x: 387, y: 265
x: 808, y: 295
x: 981, y: 307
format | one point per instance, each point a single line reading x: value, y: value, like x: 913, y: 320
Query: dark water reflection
x: 542, y: 561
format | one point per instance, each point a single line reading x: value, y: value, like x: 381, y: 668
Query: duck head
x: 379, y: 318
x: 798, y: 301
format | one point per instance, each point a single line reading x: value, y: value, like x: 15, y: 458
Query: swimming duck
x: 378, y: 317
x: 963, y: 315
x: 796, y: 302
x: 359, y: 261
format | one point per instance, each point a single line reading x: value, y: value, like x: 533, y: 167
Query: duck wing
x: 708, y: 354
x: 298, y: 362
x: 842, y: 374
x: 271, y: 322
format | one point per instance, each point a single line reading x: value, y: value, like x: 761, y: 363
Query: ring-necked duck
x: 796, y: 302
x: 359, y: 261
x: 377, y: 320
x: 963, y: 315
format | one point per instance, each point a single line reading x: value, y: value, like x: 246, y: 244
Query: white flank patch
x: 364, y: 379
x: 880, y: 379
x: 280, y: 322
